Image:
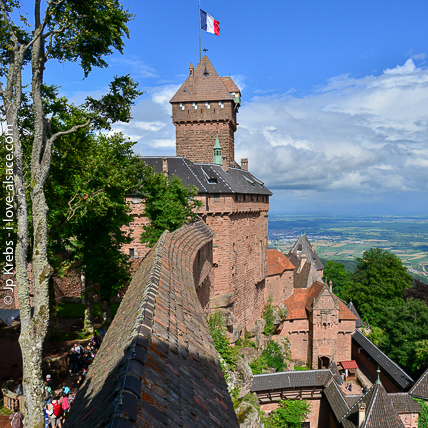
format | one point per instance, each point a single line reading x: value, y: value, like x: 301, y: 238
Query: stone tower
x: 205, y: 106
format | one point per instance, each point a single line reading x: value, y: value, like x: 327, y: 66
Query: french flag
x: 209, y: 24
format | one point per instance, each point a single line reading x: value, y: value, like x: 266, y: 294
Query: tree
x: 406, y: 326
x: 337, y: 274
x: 66, y: 31
x: 378, y: 281
x: 168, y: 204
x: 290, y: 414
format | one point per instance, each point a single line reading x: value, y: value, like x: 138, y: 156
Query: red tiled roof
x: 301, y: 301
x: 345, y: 313
x: 230, y: 84
x: 349, y: 364
x: 278, y: 262
x: 204, y: 85
x: 296, y: 304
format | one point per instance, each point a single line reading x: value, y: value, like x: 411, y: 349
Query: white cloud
x: 366, y: 134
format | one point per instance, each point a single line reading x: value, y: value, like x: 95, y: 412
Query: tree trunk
x: 106, y: 314
x: 53, y: 315
x: 34, y: 328
x: 89, y: 310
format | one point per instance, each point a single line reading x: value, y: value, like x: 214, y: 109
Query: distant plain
x: 343, y: 239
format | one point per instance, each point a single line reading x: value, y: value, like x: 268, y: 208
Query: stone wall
x: 157, y: 365
x: 297, y: 332
x: 279, y: 286
x: 196, y: 130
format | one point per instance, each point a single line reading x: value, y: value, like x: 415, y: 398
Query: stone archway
x: 323, y: 362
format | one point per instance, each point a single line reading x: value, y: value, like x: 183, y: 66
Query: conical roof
x: 379, y: 413
x: 204, y: 84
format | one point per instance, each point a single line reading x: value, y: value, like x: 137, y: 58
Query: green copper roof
x: 217, y: 152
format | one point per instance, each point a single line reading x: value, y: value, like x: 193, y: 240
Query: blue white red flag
x: 209, y: 24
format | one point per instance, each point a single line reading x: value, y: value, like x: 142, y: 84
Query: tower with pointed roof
x: 204, y: 109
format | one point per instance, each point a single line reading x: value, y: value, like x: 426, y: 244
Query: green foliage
x: 406, y: 326
x: 337, y: 274
x: 423, y: 416
x: 168, y: 204
x: 268, y: 316
x: 300, y: 368
x: 221, y: 342
x: 378, y: 281
x: 77, y: 310
x: 378, y: 336
x: 290, y: 414
x: 421, y: 353
x: 271, y: 358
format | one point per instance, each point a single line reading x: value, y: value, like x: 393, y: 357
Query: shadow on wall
x: 157, y: 364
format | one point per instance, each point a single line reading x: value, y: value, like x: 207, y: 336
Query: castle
x: 166, y: 370
x: 235, y: 206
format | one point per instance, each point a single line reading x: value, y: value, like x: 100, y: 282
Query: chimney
x: 331, y: 286
x: 191, y: 69
x: 302, y: 263
x: 165, y: 166
x: 244, y: 164
x: 225, y: 164
x: 361, y: 413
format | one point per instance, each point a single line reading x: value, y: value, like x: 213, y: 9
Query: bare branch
x: 69, y: 131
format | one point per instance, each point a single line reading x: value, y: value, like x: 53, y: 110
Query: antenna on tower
x: 205, y: 50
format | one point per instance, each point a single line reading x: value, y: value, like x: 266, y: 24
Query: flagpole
x: 200, y: 55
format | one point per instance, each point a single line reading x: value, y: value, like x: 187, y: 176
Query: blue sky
x: 334, y: 116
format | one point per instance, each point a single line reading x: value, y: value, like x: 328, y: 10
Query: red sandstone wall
x: 196, y: 130
x: 298, y: 335
x: 280, y: 287
x: 135, y: 228
x: 370, y: 368
x: 240, y: 253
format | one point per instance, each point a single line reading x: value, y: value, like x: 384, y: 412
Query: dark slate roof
x: 305, y: 277
x: 404, y: 403
x: 290, y: 379
x: 393, y: 369
x: 351, y: 307
x: 336, y: 399
x: 420, y: 388
x: 209, y: 178
x: 157, y: 365
x: 304, y: 246
x: 380, y: 413
x: 335, y: 372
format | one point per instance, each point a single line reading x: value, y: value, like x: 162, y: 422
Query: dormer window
x: 195, y: 106
x: 181, y: 106
x: 220, y: 104
x: 207, y: 105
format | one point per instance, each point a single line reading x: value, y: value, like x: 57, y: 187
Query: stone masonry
x: 157, y: 365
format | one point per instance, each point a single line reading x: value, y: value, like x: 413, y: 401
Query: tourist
x: 16, y: 418
x: 56, y: 413
x: 72, y: 358
x: 80, y: 381
x: 343, y: 378
x: 96, y: 341
x: 80, y: 351
x: 49, y: 380
x: 65, y: 404
x: 47, y: 390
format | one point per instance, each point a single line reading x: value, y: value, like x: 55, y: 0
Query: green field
x: 346, y: 238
